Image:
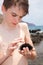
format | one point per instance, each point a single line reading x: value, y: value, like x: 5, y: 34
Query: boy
x: 14, y: 33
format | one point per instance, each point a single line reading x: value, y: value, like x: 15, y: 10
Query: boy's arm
x: 3, y: 57
x: 8, y: 53
x: 26, y: 52
x: 28, y: 40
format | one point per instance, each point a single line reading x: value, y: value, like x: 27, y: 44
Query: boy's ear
x: 3, y: 9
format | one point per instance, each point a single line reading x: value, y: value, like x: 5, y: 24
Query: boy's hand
x: 25, y: 52
x: 13, y: 46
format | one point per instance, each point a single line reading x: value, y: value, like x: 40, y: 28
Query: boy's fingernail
x: 23, y: 47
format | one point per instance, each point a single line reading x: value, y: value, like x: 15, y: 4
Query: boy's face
x: 13, y: 15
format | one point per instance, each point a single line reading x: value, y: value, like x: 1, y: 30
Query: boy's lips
x: 14, y: 23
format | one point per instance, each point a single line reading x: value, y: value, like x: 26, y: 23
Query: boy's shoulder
x: 23, y: 24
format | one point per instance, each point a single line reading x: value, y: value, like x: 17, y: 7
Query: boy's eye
x: 14, y: 15
x: 21, y: 16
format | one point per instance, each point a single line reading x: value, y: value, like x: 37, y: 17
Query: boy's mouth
x: 14, y: 23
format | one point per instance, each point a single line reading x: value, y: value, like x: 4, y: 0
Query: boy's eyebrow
x: 17, y: 15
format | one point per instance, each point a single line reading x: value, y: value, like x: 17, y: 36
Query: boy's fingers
x: 28, y: 52
x: 13, y: 44
x: 21, y: 52
x: 18, y: 40
x: 25, y: 51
